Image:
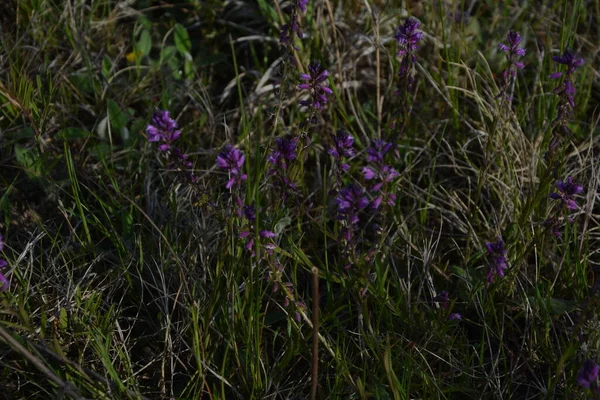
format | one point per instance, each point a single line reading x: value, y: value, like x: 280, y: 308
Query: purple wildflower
x: 378, y: 150
x: 588, y: 374
x: 232, y: 160
x: 408, y: 37
x: 285, y: 151
x: 3, y: 281
x: 567, y: 189
x: 566, y: 92
x: 498, y: 253
x: 513, y: 49
x: 293, y: 26
x: 343, y: 147
x: 162, y: 129
x: 302, y: 4
x: 379, y: 173
x: 553, y: 224
x: 249, y: 211
x: 513, y: 52
x: 316, y: 83
x: 571, y: 60
x: 567, y: 89
x: 455, y: 317
x: 1, y: 243
x: 350, y: 201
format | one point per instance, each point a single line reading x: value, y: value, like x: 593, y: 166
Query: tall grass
x: 140, y: 272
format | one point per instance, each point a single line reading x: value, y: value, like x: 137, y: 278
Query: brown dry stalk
x: 315, y: 336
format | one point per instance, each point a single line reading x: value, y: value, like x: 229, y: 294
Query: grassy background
x: 127, y: 282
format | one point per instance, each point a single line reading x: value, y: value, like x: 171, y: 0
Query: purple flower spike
x: 408, y: 37
x: 302, y: 5
x: 285, y: 151
x: 316, y: 83
x: 3, y: 281
x: 378, y: 150
x: 513, y: 52
x: 250, y: 213
x: 567, y: 190
x: 455, y: 317
x: 162, y: 129
x: 588, y: 374
x: 566, y: 90
x: 232, y: 160
x: 267, y: 234
x: 293, y: 26
x: 498, y: 253
x: 570, y: 59
x: 350, y: 201
x: 343, y: 147
x: 1, y: 242
x: 514, y: 39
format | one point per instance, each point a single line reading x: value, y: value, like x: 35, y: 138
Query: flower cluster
x: 566, y: 190
x: 343, y: 148
x: 3, y: 264
x: 513, y: 53
x: 497, y: 252
x: 232, y: 160
x: 455, y: 317
x: 249, y: 212
x: 316, y: 83
x: 379, y: 173
x: 408, y: 38
x: 565, y: 196
x: 351, y: 200
x: 293, y: 26
x: 572, y: 61
x: 566, y: 92
x: 588, y: 376
x: 163, y: 129
x: 284, y: 152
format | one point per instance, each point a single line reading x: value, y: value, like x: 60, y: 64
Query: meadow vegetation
x: 264, y: 199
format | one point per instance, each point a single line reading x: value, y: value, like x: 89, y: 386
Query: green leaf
x: 188, y: 70
x: 144, y: 45
x: 106, y: 67
x: 25, y: 133
x: 145, y: 22
x: 116, y: 115
x: 63, y: 319
x: 167, y: 53
x: 29, y: 160
x: 73, y: 133
x: 182, y: 39
x: 100, y: 150
x: 266, y: 9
